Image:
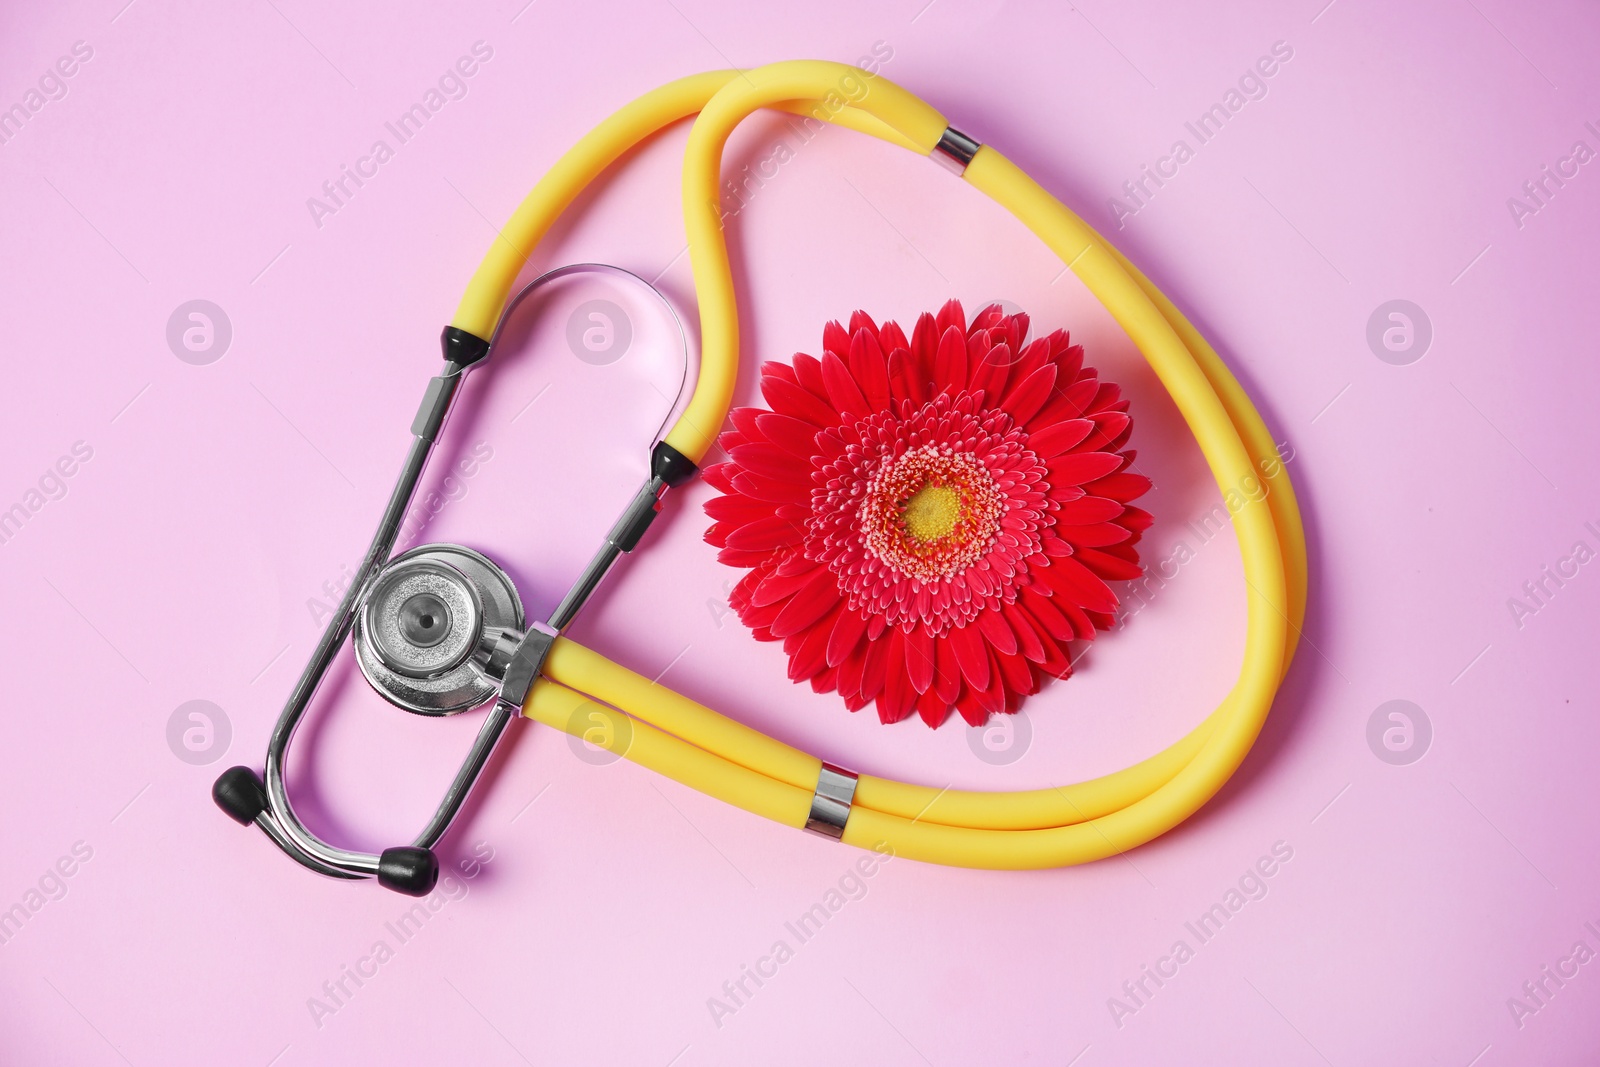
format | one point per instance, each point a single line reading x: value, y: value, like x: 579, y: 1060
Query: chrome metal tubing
x: 292, y: 834
x: 489, y: 734
x: 584, y: 587
x: 272, y: 829
x: 624, y: 535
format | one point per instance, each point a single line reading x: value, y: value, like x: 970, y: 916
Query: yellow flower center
x: 932, y: 512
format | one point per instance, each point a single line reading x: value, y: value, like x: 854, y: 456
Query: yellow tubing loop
x: 686, y: 741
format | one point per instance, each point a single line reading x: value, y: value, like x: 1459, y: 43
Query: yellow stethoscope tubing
x: 486, y: 295
x: 693, y: 744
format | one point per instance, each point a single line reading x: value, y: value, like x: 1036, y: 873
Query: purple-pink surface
x: 1403, y: 870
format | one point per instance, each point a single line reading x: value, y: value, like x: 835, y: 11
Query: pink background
x: 219, y: 499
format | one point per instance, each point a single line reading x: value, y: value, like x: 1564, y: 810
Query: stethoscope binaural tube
x: 682, y: 739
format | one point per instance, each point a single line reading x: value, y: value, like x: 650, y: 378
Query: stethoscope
x: 440, y: 629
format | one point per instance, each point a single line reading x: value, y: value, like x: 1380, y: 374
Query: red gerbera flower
x: 929, y: 521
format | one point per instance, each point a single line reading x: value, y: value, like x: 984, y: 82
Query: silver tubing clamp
x: 830, y: 804
x: 954, y: 150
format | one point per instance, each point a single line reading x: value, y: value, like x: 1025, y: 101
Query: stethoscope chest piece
x: 435, y: 627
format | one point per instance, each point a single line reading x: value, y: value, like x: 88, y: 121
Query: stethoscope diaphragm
x: 428, y: 628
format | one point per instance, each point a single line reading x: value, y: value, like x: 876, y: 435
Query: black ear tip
x: 409, y: 870
x: 239, y: 792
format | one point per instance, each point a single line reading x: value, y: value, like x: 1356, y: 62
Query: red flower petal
x: 744, y: 424
x: 809, y: 603
x: 891, y: 337
x: 1088, y: 509
x: 1068, y: 403
x: 765, y: 535
x: 1097, y: 535
x: 760, y: 619
x: 952, y: 317
x: 720, y: 476
x: 1121, y: 486
x: 1078, y: 468
x: 1044, y: 609
x: 1017, y: 675
x: 933, y: 710
x: 950, y: 362
x: 973, y: 712
x: 773, y: 369
x: 1017, y: 329
x: 1028, y: 639
x: 776, y: 587
x: 790, y: 399
x: 870, y: 367
x: 875, y: 669
x: 845, y: 636
x: 898, y: 697
x: 770, y: 461
x: 1034, y: 355
x: 807, y: 659
x: 843, y: 393
x: 836, y: 339
x: 919, y: 658
x: 905, y: 379
x: 947, y: 672
x: 770, y: 491
x: 739, y: 557
x: 1057, y: 664
x: 1082, y: 625
x: 1066, y: 494
x: 987, y: 318
x: 808, y: 375
x: 736, y: 509
x: 860, y: 320
x: 925, y: 342
x: 1056, y: 438
x: 991, y: 368
x: 794, y: 436
x: 850, y: 669
x: 1107, y: 566
x: 1030, y: 394
x: 1106, y: 397
x: 1109, y: 426
x: 972, y: 655
x: 1071, y: 579
x: 992, y: 697
x: 1069, y: 357
x: 998, y: 631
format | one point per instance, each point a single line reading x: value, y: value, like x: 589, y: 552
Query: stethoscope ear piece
x: 240, y: 792
x: 408, y: 869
